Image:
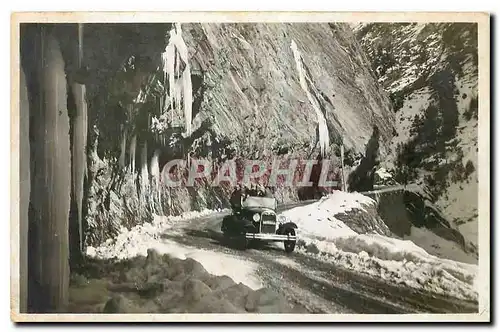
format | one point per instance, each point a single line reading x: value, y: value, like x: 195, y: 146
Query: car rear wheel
x: 289, y: 245
x: 240, y: 241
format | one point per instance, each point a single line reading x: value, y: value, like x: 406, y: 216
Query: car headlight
x: 256, y: 217
x: 281, y: 219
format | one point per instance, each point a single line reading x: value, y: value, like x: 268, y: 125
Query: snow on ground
x: 137, y: 241
x: 395, y: 260
x: 317, y: 220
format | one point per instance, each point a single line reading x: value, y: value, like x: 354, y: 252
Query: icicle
x: 168, y: 66
x: 155, y: 166
x: 79, y: 139
x: 178, y: 97
x: 123, y: 147
x: 144, y: 167
x: 344, y: 185
x: 179, y: 88
x: 324, y: 138
x: 24, y: 190
x: 155, y: 175
x: 79, y: 147
x: 177, y: 62
x: 51, y: 178
x: 80, y: 44
x: 132, y: 153
x: 188, y: 99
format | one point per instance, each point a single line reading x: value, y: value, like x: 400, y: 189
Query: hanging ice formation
x: 80, y: 123
x: 155, y: 178
x: 324, y: 137
x: 180, y: 92
x: 132, y: 149
x: 144, y: 174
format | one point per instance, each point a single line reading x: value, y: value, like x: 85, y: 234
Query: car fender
x: 246, y: 225
x: 289, y: 225
x: 249, y: 228
x: 237, y: 222
x: 228, y: 218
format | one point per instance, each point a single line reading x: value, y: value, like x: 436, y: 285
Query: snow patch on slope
x: 461, y: 201
x: 438, y: 246
x: 392, y: 259
x: 414, y: 106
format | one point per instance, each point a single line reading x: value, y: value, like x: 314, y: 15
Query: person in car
x: 261, y: 191
x: 268, y: 193
x: 253, y: 190
x: 235, y: 199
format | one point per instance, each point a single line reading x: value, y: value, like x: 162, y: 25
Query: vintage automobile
x: 255, y: 220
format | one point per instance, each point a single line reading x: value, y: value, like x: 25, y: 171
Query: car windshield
x: 261, y: 202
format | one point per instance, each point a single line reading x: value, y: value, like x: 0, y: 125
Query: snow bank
x: 395, y: 260
x: 137, y: 241
x: 133, y: 242
x: 317, y: 221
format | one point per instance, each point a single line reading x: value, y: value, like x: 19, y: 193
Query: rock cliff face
x: 252, y: 90
x: 430, y: 72
x: 257, y: 91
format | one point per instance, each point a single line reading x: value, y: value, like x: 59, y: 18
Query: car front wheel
x: 289, y: 245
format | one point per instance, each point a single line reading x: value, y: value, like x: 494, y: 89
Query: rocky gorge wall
x: 252, y: 85
x: 254, y: 96
x: 430, y: 72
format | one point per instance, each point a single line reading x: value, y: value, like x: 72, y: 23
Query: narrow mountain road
x: 314, y: 285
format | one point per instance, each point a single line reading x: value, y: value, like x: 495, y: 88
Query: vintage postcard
x: 250, y: 166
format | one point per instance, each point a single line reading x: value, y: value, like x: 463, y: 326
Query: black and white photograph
x: 275, y: 167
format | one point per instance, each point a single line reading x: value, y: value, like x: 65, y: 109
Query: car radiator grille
x: 268, y: 223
